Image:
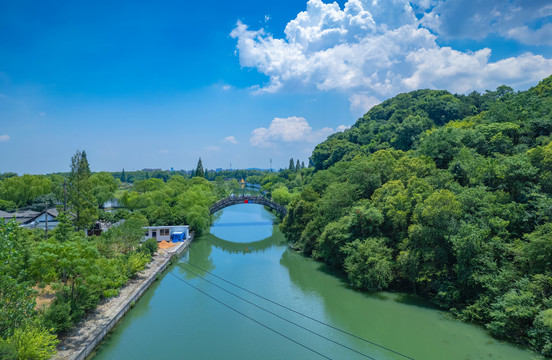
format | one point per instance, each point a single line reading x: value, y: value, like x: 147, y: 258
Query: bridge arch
x: 248, y: 199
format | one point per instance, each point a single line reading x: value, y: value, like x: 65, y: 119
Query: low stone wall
x: 82, y: 340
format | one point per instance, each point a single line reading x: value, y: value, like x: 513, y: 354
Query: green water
x: 176, y: 321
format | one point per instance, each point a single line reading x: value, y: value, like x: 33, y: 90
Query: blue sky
x: 141, y: 84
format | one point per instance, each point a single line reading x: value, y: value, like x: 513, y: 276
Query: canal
x: 241, y: 293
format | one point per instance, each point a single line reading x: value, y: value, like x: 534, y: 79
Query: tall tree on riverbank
x: 81, y: 199
x: 199, y: 169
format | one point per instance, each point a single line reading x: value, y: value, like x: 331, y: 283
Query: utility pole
x: 270, y: 164
x: 46, y: 222
x: 65, y: 195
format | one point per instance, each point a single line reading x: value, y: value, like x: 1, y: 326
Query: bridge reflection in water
x: 246, y: 247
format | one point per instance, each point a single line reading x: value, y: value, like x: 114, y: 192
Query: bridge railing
x: 234, y: 200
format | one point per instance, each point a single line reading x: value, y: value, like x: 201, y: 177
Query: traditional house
x: 33, y: 219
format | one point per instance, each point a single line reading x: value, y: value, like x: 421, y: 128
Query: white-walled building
x: 161, y: 233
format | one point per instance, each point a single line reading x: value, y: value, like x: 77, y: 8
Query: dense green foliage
x: 179, y: 201
x: 22, y: 190
x: 81, y: 270
x: 443, y: 195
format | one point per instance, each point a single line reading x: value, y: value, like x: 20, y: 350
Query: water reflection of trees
x: 198, y: 254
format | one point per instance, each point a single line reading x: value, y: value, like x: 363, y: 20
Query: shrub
x: 136, y: 262
x: 34, y: 342
x: 8, y: 351
x: 7, y: 205
x: 368, y: 264
x: 110, y: 293
x: 542, y: 332
x: 149, y: 246
x: 58, y: 316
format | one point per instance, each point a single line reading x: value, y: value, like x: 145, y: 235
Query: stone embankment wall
x: 84, y: 338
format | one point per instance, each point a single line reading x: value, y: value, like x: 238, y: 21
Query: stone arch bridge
x: 248, y: 199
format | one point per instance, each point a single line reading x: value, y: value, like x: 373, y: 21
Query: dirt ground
x: 45, y: 296
x: 165, y: 245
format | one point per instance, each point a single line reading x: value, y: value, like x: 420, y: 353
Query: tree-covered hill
x: 447, y: 196
x: 400, y: 122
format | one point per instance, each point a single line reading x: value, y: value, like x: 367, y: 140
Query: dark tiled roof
x: 26, y: 216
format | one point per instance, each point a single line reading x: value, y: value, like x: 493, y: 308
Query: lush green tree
x: 337, y: 199
x: 538, y: 249
x: 291, y: 165
x: 44, y: 202
x: 409, y: 131
x: 104, y: 186
x: 299, y: 214
x: 513, y: 313
x: 34, y: 342
x: 369, y: 264
x: 392, y: 199
x: 516, y: 175
x: 542, y: 332
x: 16, y: 295
x: 7, y: 205
x: 65, y: 230
x: 199, y: 169
x: 335, y: 236
x: 125, y: 237
x: 364, y: 175
x: 151, y: 184
x: 81, y: 199
x: 331, y: 151
x: 281, y: 195
x: 474, y: 252
x: 434, y: 220
x: 442, y: 145
x: 22, y: 190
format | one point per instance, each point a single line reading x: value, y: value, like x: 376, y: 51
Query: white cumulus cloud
x: 288, y: 130
x: 361, y: 103
x: 525, y: 35
x: 376, y: 49
x: 4, y: 138
x: 230, y: 140
x: 476, y: 19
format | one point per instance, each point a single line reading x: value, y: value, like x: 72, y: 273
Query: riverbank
x: 246, y: 249
x: 85, y: 336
